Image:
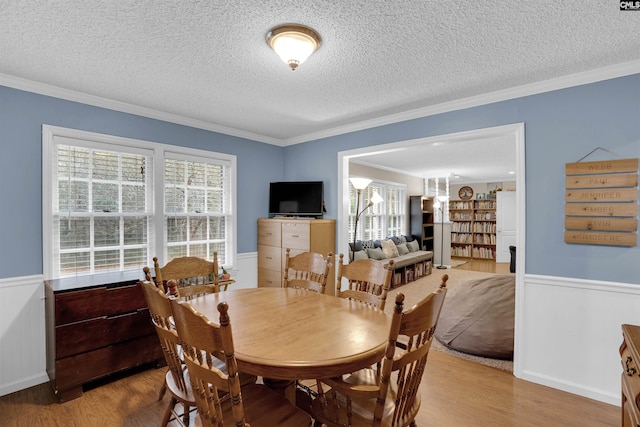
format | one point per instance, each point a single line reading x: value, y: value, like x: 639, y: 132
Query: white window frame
x: 157, y: 236
x: 380, y: 210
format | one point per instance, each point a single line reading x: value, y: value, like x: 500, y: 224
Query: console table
x: 95, y: 326
x: 630, y: 358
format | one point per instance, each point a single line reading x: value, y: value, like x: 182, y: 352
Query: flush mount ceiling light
x: 293, y: 43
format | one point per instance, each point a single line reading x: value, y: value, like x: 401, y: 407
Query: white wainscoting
x: 22, y: 334
x: 569, y: 332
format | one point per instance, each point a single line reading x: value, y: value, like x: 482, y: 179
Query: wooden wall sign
x: 601, y: 203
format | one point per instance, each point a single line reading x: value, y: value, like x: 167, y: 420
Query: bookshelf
x: 421, y: 220
x: 473, y: 229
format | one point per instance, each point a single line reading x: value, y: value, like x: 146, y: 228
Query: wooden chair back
x: 392, y: 398
x: 161, y: 315
x: 218, y: 394
x: 307, y: 270
x: 368, y: 280
x: 204, y: 342
x: 186, y: 277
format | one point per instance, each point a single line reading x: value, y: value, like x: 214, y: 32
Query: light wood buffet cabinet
x: 630, y: 358
x: 275, y: 235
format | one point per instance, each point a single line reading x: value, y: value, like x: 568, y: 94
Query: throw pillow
x: 413, y: 246
x: 368, y: 244
x: 395, y: 239
x: 375, y: 253
x: 389, y: 249
x: 360, y: 255
x: 402, y: 249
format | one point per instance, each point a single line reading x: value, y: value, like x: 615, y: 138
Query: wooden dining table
x: 292, y: 334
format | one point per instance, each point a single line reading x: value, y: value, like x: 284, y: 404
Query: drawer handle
x: 116, y: 316
x: 295, y: 235
x: 268, y: 257
x: 631, y: 370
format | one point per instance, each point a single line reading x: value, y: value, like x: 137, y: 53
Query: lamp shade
x: 376, y: 198
x: 359, y: 183
x: 293, y: 43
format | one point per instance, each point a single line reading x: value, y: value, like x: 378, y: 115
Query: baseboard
x: 578, y: 389
x: 24, y: 383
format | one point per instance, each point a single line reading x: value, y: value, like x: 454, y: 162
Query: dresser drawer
x: 269, y: 258
x: 100, y: 332
x: 269, y: 278
x: 296, y: 235
x: 84, y: 367
x: 269, y: 233
x: 90, y: 303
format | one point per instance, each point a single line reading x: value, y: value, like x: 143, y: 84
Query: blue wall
x: 560, y: 127
x: 22, y: 115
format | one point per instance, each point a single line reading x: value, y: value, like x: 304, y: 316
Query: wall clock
x: 465, y: 193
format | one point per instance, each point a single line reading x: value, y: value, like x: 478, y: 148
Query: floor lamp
x: 360, y: 184
x: 439, y: 205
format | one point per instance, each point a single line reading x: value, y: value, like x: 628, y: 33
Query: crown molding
x: 591, y: 76
x: 123, y: 107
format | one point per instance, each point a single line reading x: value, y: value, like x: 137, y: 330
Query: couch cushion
x: 410, y: 258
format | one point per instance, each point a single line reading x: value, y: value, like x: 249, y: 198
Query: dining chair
x: 191, y: 276
x: 391, y: 399
x: 368, y: 281
x: 220, y: 398
x: 307, y: 270
x: 176, y: 381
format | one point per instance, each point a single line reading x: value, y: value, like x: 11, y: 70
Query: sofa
x: 410, y: 261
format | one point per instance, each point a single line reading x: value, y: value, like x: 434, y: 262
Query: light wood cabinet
x: 275, y: 235
x: 473, y: 229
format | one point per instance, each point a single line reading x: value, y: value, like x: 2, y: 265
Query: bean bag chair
x: 478, y: 317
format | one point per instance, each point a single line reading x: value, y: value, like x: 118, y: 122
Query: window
x: 197, y: 217
x: 103, y: 203
x: 384, y: 219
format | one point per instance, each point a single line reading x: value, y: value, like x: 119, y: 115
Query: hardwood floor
x: 455, y: 392
x: 486, y: 266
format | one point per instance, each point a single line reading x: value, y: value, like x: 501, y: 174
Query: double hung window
x: 383, y: 219
x: 111, y: 204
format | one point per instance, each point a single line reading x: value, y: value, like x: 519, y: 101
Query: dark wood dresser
x: 96, y: 326
x: 630, y: 357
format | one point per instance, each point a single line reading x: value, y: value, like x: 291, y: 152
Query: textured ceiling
x: 207, y: 61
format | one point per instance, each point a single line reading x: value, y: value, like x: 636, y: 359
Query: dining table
x: 292, y: 334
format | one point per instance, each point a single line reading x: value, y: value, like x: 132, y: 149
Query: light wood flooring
x: 455, y: 392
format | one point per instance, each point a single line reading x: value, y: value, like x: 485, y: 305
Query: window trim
x: 384, y: 215
x: 159, y: 151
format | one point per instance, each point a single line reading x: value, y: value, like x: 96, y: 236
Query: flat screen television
x: 296, y: 198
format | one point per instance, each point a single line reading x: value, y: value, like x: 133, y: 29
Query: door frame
x: 516, y: 133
